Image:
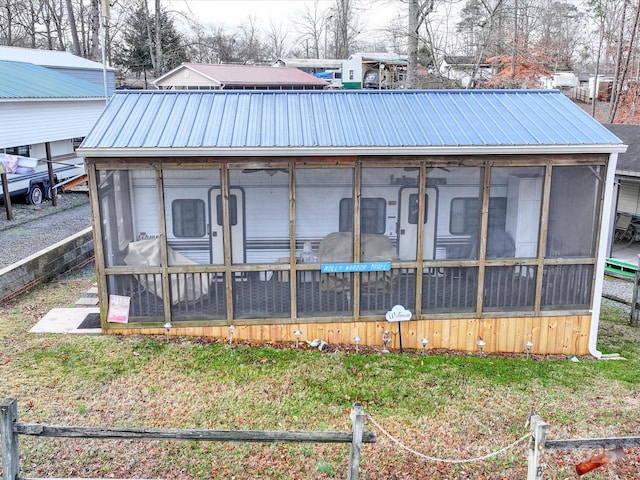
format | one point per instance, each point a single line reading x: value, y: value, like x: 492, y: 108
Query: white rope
x: 446, y: 460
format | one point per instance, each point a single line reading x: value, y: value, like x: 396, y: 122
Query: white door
x: 236, y: 218
x: 408, y: 224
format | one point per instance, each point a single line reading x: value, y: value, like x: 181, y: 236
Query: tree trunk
x: 149, y: 38
x: 95, y: 40
x: 594, y: 94
x: 159, y: 60
x: 616, y: 80
x: 617, y: 93
x: 412, y: 45
x: 74, y: 29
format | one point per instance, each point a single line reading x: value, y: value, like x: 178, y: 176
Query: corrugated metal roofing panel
x: 23, y: 80
x: 355, y: 119
x: 48, y: 58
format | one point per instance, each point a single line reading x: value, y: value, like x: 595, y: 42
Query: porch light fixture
x: 297, y: 334
x: 481, y: 344
x: 424, y: 342
x: 232, y: 329
x: 527, y: 348
x: 386, y: 338
x: 167, y: 327
x: 357, y: 340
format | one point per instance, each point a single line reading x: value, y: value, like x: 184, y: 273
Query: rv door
x: 408, y: 223
x: 236, y: 219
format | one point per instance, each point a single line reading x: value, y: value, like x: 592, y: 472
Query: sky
x: 233, y: 12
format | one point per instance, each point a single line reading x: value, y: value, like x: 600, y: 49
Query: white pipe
x: 602, y: 255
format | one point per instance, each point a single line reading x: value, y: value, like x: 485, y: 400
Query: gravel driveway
x: 36, y: 227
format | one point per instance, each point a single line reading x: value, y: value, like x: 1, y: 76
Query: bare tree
x: 54, y: 20
x: 347, y: 27
x: 311, y: 25
x: 276, y: 38
x: 250, y: 45
x: 9, y: 11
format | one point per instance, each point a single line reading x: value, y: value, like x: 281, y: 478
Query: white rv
x: 33, y: 183
x: 259, y: 210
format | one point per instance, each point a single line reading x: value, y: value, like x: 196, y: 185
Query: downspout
x: 602, y: 254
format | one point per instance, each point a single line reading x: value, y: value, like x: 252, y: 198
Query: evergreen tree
x: 137, y: 53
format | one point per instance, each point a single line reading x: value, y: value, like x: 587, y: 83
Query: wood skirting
x: 561, y: 335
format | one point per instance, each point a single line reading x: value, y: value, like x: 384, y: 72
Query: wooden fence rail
x: 10, y: 428
x: 539, y: 443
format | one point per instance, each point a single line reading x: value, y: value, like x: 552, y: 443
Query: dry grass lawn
x: 449, y: 406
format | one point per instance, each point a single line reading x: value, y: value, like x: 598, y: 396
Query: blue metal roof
x: 27, y: 81
x: 348, y: 121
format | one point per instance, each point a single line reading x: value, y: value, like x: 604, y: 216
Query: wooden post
x: 10, y: 458
x: 357, y: 417
x: 633, y: 320
x: 52, y: 178
x: 7, y: 196
x: 536, y: 447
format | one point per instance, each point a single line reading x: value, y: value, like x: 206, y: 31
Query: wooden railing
x: 10, y: 428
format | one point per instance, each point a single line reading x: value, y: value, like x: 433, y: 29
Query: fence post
x: 633, y: 317
x: 536, y: 447
x: 10, y: 458
x: 357, y: 418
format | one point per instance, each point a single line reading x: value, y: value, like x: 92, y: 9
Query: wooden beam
x: 64, y: 431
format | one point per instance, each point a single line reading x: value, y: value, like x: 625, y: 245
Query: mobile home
x: 478, y: 211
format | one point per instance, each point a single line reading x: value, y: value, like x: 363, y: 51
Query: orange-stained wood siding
x: 566, y: 335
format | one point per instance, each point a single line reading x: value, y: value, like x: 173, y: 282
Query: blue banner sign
x: 355, y: 267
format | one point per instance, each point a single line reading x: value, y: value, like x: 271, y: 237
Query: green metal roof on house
x: 19, y: 81
x: 360, y: 122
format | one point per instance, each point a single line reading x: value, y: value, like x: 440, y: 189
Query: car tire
x: 36, y: 194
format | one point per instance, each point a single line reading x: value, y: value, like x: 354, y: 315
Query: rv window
x: 413, y: 208
x: 188, y: 216
x: 372, y: 215
x: 233, y: 206
x: 465, y: 214
x: 22, y: 150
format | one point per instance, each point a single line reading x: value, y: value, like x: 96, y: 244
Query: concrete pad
x: 87, y: 301
x: 64, y: 320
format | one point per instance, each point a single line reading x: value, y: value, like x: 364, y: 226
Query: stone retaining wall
x: 46, y: 264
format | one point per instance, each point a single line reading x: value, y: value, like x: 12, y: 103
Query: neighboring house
x: 195, y: 76
x: 628, y: 169
x: 38, y: 107
x: 477, y: 211
x: 66, y: 63
x: 465, y: 70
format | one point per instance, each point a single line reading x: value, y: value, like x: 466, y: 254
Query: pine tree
x: 138, y: 51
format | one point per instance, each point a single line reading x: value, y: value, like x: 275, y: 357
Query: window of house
x: 188, y: 218
x: 372, y: 215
